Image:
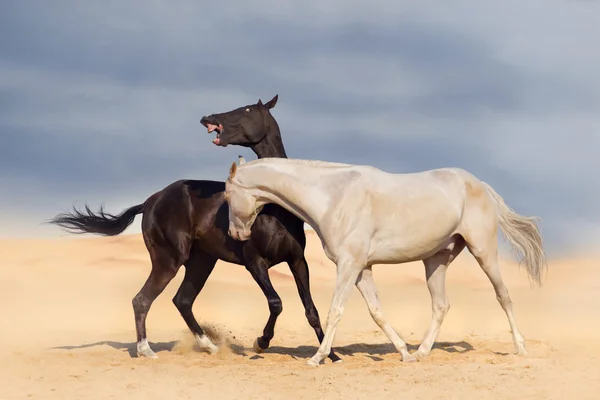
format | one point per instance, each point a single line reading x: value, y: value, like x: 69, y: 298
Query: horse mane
x: 298, y: 161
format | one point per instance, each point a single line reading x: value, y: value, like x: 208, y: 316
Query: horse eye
x: 247, y: 110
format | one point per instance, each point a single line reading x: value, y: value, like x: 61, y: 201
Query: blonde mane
x: 297, y: 161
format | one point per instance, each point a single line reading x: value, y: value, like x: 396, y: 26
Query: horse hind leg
x: 163, y: 271
x: 485, y: 250
x: 435, y: 272
x: 197, y: 270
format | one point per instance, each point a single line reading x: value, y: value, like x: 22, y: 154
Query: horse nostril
x: 229, y: 232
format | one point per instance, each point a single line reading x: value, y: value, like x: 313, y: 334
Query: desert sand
x: 68, y: 331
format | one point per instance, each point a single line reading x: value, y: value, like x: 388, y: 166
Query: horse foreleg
x: 346, y: 278
x: 367, y: 288
x: 300, y: 272
x: 259, y: 270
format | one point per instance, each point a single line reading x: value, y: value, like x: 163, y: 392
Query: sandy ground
x: 68, y: 331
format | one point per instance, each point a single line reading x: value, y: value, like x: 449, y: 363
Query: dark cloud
x: 463, y: 74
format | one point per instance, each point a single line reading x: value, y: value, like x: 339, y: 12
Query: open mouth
x: 218, y: 128
x: 215, y: 128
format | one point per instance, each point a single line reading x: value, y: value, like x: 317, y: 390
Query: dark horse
x: 186, y: 223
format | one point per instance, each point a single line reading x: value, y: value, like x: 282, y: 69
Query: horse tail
x: 101, y: 223
x: 524, y: 236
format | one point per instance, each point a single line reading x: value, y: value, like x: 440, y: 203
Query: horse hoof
x: 147, y: 354
x: 257, y: 348
x: 339, y: 361
x: 407, y: 358
x: 519, y: 345
x: 419, y: 355
x: 144, y: 350
x: 312, y: 363
x: 205, y: 344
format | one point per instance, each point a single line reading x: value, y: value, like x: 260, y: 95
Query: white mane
x: 295, y: 161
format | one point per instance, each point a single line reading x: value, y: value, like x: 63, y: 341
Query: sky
x: 100, y: 102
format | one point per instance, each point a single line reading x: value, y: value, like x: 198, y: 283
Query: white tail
x: 523, y: 235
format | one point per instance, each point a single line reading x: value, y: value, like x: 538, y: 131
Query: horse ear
x: 241, y: 160
x: 260, y: 103
x: 272, y: 102
x: 232, y: 171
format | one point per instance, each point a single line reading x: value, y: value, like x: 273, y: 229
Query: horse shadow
x: 157, y: 347
x: 131, y: 348
x: 373, y: 351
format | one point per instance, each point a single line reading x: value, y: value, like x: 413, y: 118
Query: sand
x: 68, y: 331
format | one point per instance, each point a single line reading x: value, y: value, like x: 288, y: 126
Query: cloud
x: 100, y: 102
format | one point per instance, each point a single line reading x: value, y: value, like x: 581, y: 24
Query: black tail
x: 101, y: 223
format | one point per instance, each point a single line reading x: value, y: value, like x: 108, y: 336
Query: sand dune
x: 68, y: 331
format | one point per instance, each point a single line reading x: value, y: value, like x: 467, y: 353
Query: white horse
x: 366, y: 216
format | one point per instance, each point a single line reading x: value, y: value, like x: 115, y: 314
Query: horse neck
x: 294, y: 191
x: 271, y: 145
